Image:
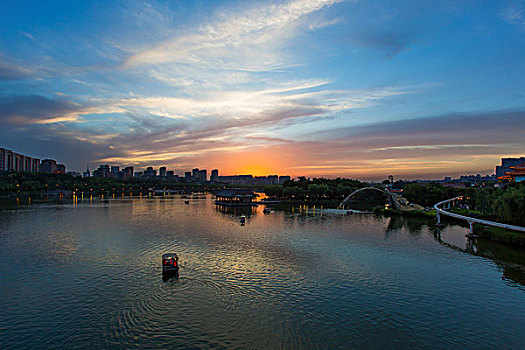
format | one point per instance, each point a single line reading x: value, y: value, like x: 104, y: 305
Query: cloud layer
x: 303, y: 87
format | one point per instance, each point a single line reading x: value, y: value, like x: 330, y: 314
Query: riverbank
x: 497, y: 234
x: 501, y: 235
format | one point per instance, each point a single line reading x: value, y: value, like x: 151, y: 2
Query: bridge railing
x: 470, y: 220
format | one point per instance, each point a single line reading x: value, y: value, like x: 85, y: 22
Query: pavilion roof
x: 236, y: 192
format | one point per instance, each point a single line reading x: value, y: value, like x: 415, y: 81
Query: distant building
x: 74, y: 173
x: 48, y: 166
x: 61, y: 169
x: 203, y: 175
x: 86, y: 173
x: 195, y: 175
x: 516, y: 174
x: 273, y: 179
x: 115, y: 171
x: 127, y: 173
x: 506, y: 163
x: 283, y: 179
x: 162, y: 171
x: 15, y: 162
x: 170, y: 175
x: 102, y: 171
x: 237, y: 179
x: 187, y: 176
x: 150, y: 173
x: 262, y: 180
x: 214, y: 177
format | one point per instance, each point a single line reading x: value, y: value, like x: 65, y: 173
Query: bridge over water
x: 451, y: 202
x: 395, y: 200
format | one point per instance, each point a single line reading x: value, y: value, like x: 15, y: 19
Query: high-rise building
x: 150, y: 172
x: 203, y: 175
x: 102, y: 171
x: 506, y: 163
x: 115, y: 171
x: 48, y: 166
x: 195, y: 175
x: 214, y: 175
x: 187, y: 176
x: 11, y: 161
x: 283, y: 179
x: 127, y: 173
x: 162, y: 171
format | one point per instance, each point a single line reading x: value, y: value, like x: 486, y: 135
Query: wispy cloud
x: 253, y: 32
x: 13, y: 72
x: 515, y: 14
x: 234, y: 48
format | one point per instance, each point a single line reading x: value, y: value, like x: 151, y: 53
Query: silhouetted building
x: 12, y: 161
x: 214, y: 175
x: 102, y: 171
x: 187, y: 176
x: 195, y: 175
x: 162, y: 171
x: 516, y: 174
x: 283, y: 179
x: 48, y: 166
x: 203, y: 175
x: 150, y: 173
x: 61, y: 169
x: 127, y: 173
x: 506, y: 163
x: 237, y: 179
x: 115, y: 171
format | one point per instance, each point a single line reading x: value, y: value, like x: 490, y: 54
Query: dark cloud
x: 490, y: 127
x: 21, y: 110
x: 52, y: 141
x: 12, y: 72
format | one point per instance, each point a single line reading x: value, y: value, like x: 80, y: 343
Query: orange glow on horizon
x: 256, y: 163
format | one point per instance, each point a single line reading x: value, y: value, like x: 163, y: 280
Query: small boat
x: 243, y: 219
x: 267, y: 210
x: 170, y: 263
x: 187, y: 202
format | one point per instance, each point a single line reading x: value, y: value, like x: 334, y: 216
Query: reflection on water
x: 88, y: 274
x: 166, y: 276
x: 237, y: 210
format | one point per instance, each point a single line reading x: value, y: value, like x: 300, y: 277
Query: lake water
x: 88, y: 274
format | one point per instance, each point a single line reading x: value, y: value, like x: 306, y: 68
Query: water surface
x: 88, y: 274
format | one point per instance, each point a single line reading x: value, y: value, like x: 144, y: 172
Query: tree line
x: 503, y: 204
x: 316, y: 189
x: 41, y: 183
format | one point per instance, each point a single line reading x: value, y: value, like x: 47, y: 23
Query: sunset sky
x: 360, y: 89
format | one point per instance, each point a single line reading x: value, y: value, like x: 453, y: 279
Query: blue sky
x: 361, y: 89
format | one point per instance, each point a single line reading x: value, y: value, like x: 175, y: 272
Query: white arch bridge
x: 449, y: 203
x: 396, y: 201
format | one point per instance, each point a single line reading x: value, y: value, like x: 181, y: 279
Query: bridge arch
x: 391, y: 198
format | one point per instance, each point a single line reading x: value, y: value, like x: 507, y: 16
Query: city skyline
x: 317, y: 88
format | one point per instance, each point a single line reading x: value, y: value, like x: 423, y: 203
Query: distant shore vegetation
x: 505, y: 204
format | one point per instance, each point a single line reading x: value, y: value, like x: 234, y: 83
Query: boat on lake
x: 170, y: 263
x: 243, y: 219
x: 267, y: 210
